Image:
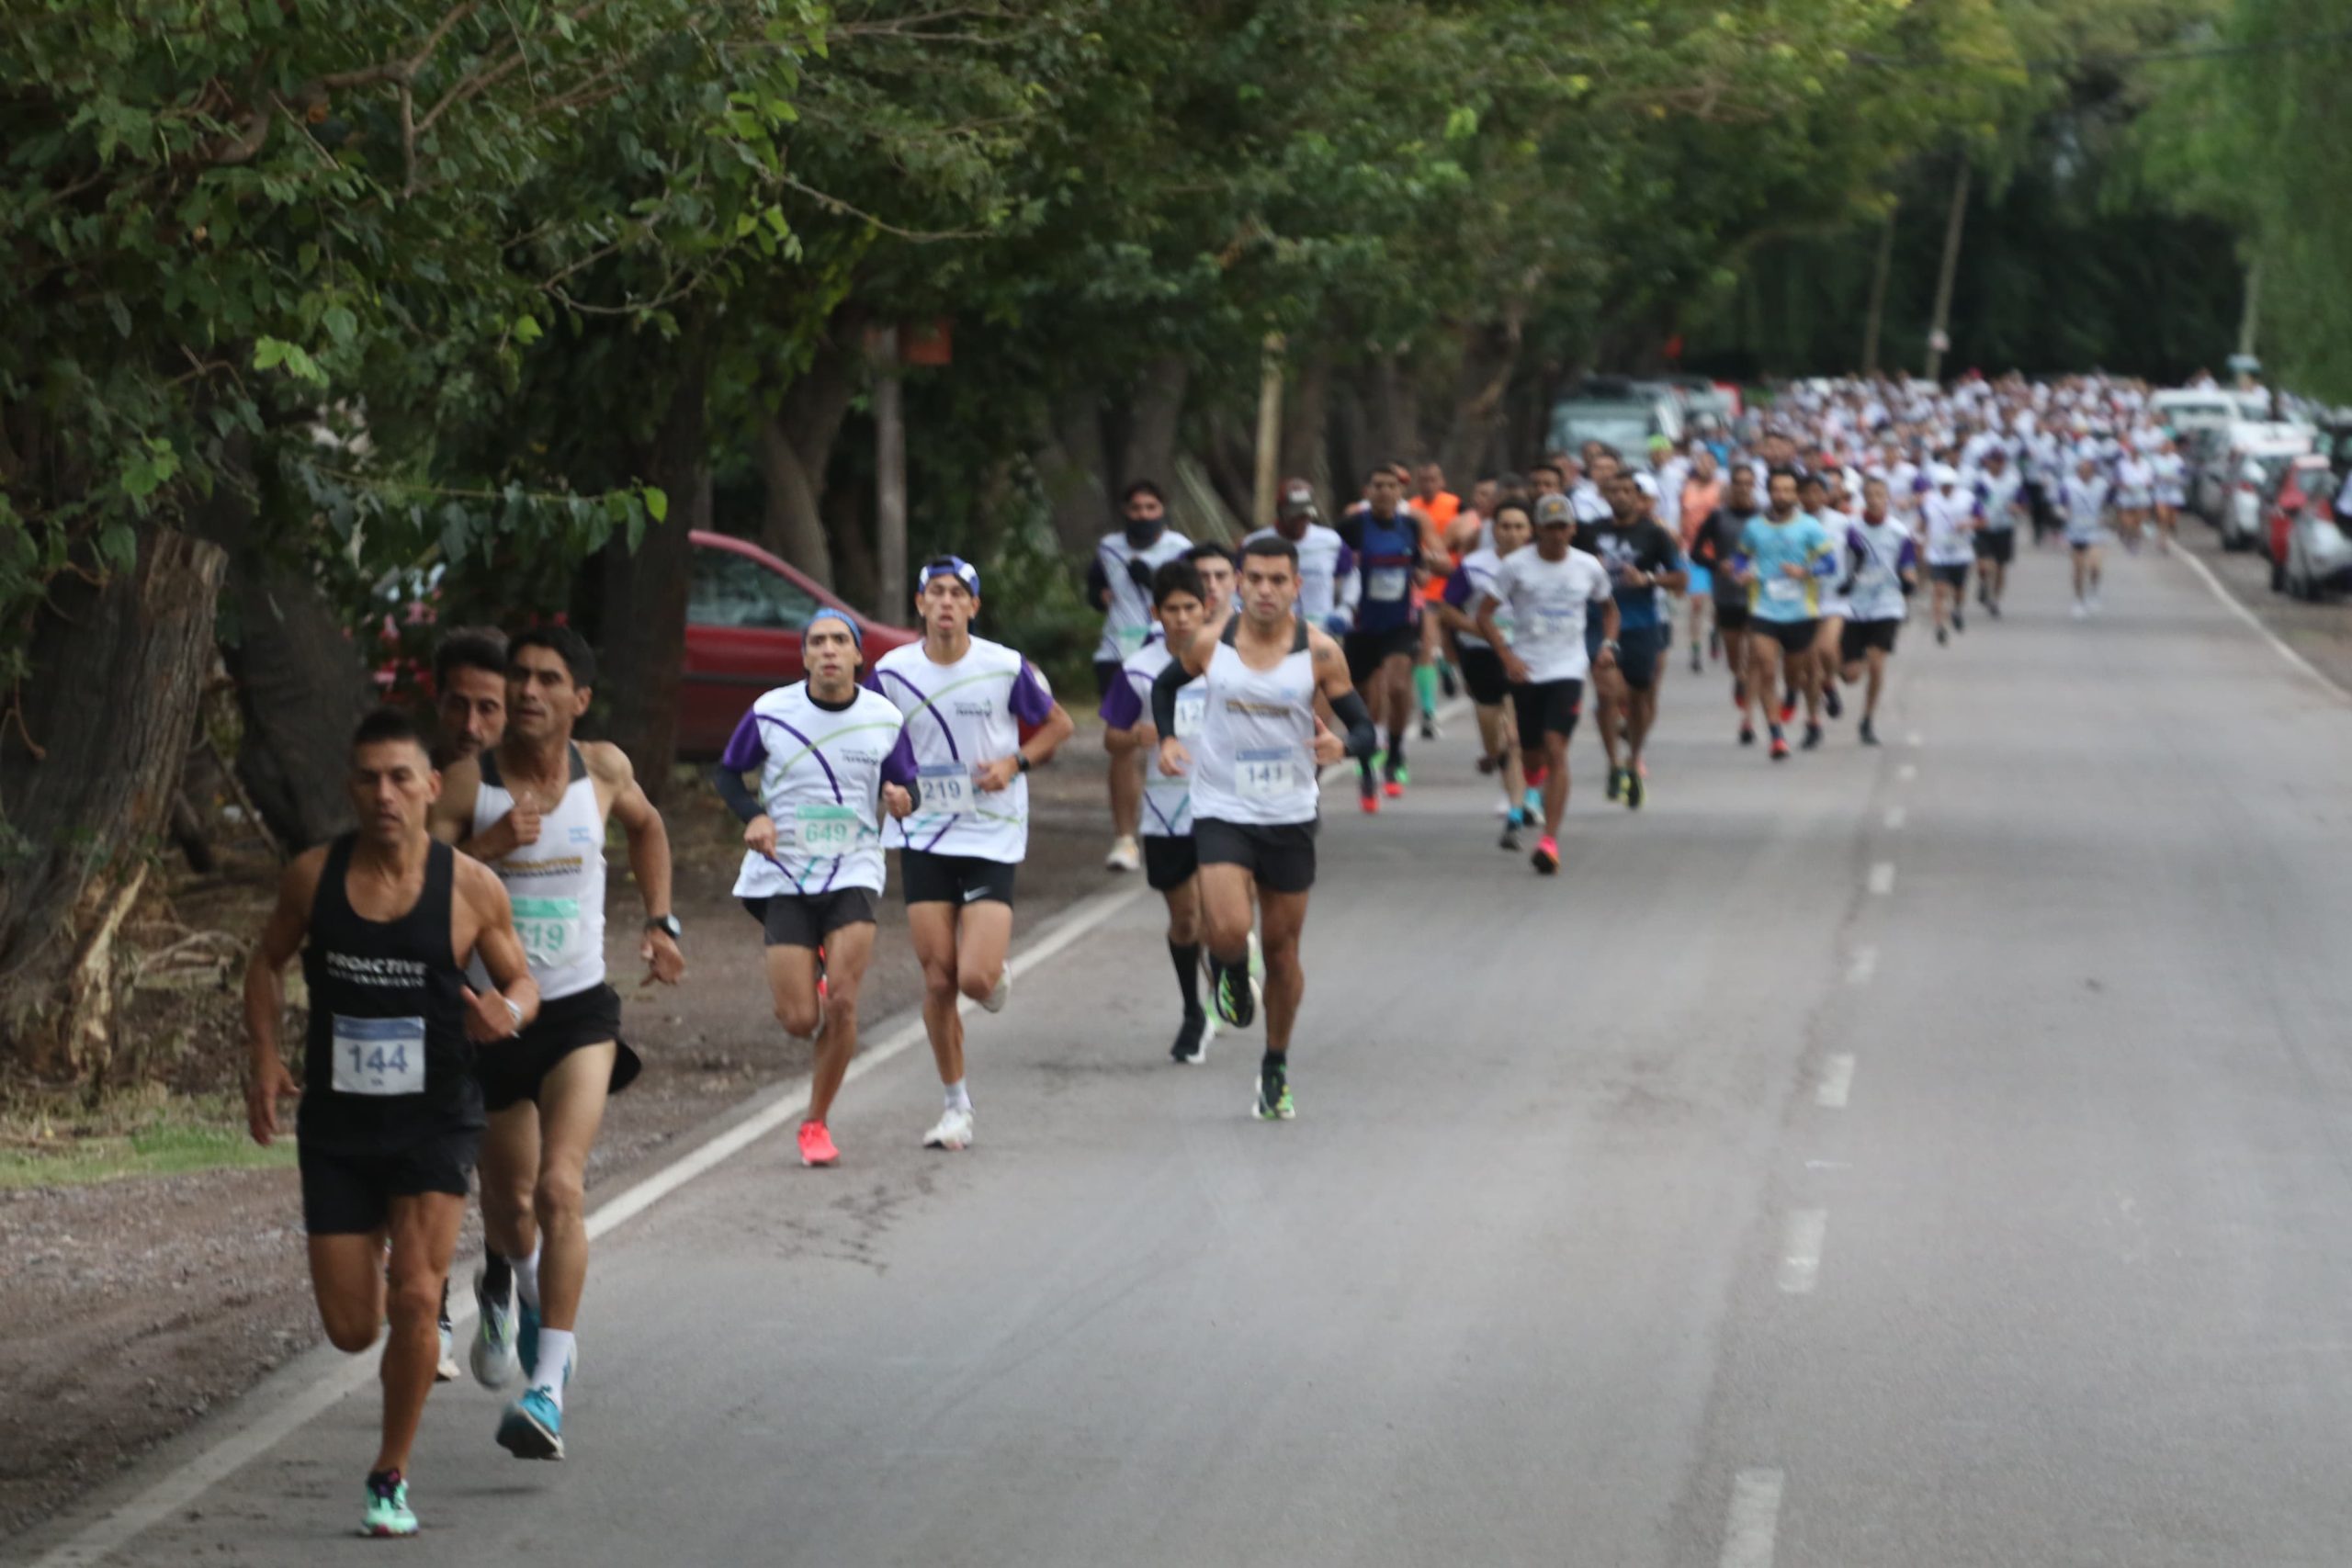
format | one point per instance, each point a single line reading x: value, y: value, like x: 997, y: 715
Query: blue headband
x: 827, y: 613
x: 962, y: 571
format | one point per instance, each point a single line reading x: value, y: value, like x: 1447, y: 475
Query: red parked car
x: 744, y: 611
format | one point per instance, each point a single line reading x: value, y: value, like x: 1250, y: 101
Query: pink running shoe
x: 816, y: 1144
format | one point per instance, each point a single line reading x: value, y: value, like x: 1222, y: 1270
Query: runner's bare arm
x: 488, y: 1018
x: 266, y: 1079
x: 453, y: 816
x: 648, y: 852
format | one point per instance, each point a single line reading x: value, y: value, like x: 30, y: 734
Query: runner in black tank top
x: 391, y: 1112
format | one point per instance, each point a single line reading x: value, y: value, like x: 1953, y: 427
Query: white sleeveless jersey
x: 958, y: 716
x: 1166, y: 797
x: 821, y: 771
x: 1254, y: 759
x: 556, y: 885
x: 1327, y: 580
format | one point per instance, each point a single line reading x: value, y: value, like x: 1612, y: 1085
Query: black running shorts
x: 1546, y: 707
x: 1367, y: 651
x: 1279, y: 856
x: 1999, y: 545
x: 511, y: 1070
x: 1482, y: 672
x: 1860, y: 636
x: 350, y: 1194
x: 1731, y: 614
x: 1169, y: 863
x: 1955, y: 575
x: 1795, y: 637
x: 929, y: 878
x: 805, y: 919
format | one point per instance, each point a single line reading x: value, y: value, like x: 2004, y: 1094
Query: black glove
x: 1140, y: 574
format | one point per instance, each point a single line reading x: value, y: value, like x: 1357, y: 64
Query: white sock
x: 526, y: 1277
x: 958, y: 1098
x: 555, y: 1359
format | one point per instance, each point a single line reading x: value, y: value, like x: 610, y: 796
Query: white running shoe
x: 2096, y: 606
x: 952, y: 1131
x: 1125, y: 854
x: 2081, y: 609
x: 1003, y: 989
x: 495, y: 1354
x: 445, y: 1371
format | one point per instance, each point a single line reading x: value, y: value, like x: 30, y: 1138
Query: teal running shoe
x: 532, y: 1427
x: 388, y: 1513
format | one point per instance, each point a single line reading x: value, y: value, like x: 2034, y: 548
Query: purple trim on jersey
x: 745, y: 751
x: 944, y: 829
x: 1029, y: 701
x: 831, y: 777
x: 1345, y: 564
x: 899, y: 767
x: 1121, y: 707
x: 1457, y: 590
x: 923, y: 704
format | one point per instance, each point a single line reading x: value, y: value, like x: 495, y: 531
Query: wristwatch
x: 1020, y: 761
x: 1611, y: 644
x: 666, y: 924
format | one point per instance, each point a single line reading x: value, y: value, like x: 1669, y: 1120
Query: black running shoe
x: 1993, y: 608
x: 1273, y: 1094
x: 1811, y: 736
x: 1192, y: 1040
x: 1941, y: 637
x: 1832, y: 703
x: 1748, y: 735
x: 1429, y: 726
x: 1958, y: 620
x: 1869, y: 736
x: 1698, y: 664
x: 1637, y: 791
x: 1446, y: 681
x: 1616, y: 783
x: 1236, y: 997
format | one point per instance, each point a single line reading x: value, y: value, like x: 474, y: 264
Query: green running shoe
x: 1236, y: 995
x: 1273, y: 1095
x: 387, y: 1511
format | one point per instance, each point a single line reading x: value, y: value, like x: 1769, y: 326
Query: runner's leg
x: 424, y: 1231
x: 572, y: 1109
x: 509, y: 1168
x: 930, y: 926
x: 983, y: 938
x: 847, y: 951
x: 1281, y: 917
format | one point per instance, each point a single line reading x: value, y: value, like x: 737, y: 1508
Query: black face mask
x: 1141, y: 532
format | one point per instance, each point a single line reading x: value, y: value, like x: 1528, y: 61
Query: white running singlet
x: 556, y: 885
x: 1254, y: 759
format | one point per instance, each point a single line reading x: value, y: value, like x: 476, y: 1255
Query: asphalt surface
x: 1933, y: 1154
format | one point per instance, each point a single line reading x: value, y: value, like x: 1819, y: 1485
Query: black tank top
x: 386, y: 1059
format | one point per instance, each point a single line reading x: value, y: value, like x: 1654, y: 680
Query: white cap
x: 1945, y: 474
x: 1645, y: 483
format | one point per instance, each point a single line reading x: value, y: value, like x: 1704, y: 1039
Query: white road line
x: 1882, y: 878
x: 1907, y: 772
x: 2236, y: 606
x: 176, y: 1491
x: 1801, y: 1253
x: 1862, y: 966
x: 1896, y: 818
x: 1752, y: 1531
x: 1837, y: 1082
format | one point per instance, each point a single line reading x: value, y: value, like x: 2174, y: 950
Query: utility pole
x: 1940, y: 336
x: 1876, y: 316
x: 1269, y: 430
x: 892, y: 592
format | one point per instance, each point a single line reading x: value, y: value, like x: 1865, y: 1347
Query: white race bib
x: 378, y: 1055
x: 1192, y: 711
x: 551, y: 930
x: 1263, y: 773
x: 1783, y: 590
x: 946, y: 788
x: 826, y: 830
x: 1387, y: 584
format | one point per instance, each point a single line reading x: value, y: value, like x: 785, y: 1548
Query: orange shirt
x: 1437, y: 512
x: 1699, y: 502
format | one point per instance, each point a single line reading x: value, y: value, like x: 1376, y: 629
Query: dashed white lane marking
x: 1864, y: 964
x: 1896, y: 818
x: 1801, y: 1253
x: 1915, y: 739
x: 1753, y: 1530
x: 1907, y: 772
x: 1837, y: 1082
x: 233, y: 1449
x: 1882, y: 878
x: 2236, y: 606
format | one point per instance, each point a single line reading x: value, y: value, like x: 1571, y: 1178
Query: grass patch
x: 61, y: 1141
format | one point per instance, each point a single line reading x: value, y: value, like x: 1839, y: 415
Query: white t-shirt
x: 1946, y: 518
x: 1166, y: 797
x: 1548, y: 600
x: 821, y: 771
x: 960, y: 716
x: 1127, y: 622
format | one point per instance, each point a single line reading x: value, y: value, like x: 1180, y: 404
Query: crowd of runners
x: 453, y: 944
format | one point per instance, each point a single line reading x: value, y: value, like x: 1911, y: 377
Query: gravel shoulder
x: 135, y: 1306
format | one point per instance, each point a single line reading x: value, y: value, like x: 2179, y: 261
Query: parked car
x: 2183, y: 411
x: 1618, y: 412
x: 2308, y: 554
x: 2230, y: 487
x: 744, y: 611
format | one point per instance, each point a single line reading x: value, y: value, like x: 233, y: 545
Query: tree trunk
x: 1489, y: 356
x: 1948, y: 270
x: 856, y: 578
x: 1306, y: 433
x: 645, y: 590
x: 1395, y: 411
x: 301, y: 688
x: 110, y: 713
x: 1874, y: 317
x: 1073, y: 468
x: 1352, y: 426
x: 1154, y: 413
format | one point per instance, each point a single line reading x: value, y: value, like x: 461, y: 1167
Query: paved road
x: 1932, y: 1156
